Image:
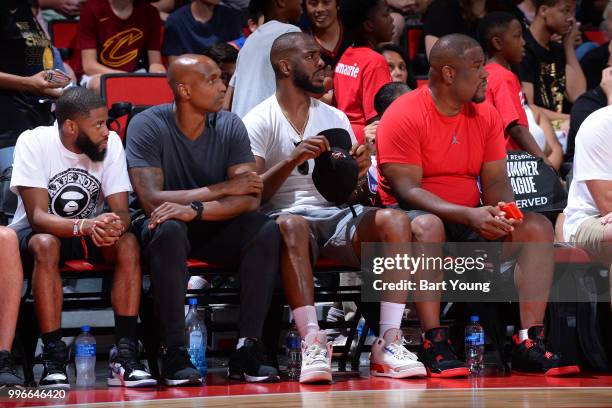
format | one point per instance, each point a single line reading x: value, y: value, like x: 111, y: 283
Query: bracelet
x: 75, y: 228
x: 81, y: 227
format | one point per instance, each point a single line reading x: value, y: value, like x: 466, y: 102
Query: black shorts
x: 454, y: 232
x: 71, y: 249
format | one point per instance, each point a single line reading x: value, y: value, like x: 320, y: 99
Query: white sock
x: 240, y: 342
x: 305, y: 318
x: 523, y: 335
x: 390, y: 316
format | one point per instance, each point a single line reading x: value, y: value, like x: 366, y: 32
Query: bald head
x: 196, y: 83
x: 451, y: 50
x: 189, y: 68
x: 286, y: 46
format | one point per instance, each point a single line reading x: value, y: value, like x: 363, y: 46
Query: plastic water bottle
x: 474, y: 345
x: 85, y: 358
x: 294, y: 353
x: 195, y: 337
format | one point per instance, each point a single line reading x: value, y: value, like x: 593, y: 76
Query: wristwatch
x: 198, y: 207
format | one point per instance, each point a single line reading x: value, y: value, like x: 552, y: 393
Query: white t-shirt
x: 592, y: 161
x: 254, y: 78
x: 273, y: 139
x: 77, y: 186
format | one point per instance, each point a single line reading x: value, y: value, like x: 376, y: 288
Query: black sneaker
x: 439, y: 357
x: 8, y: 372
x: 249, y: 364
x: 125, y: 368
x: 531, y: 357
x: 177, y: 368
x: 55, y: 358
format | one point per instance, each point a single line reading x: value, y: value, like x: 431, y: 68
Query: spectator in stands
x: 398, y: 15
x: 550, y: 73
x: 383, y: 99
x: 590, y: 14
x: 327, y: 29
x: 253, y: 80
x: 225, y: 56
x: 114, y: 35
x: 416, y: 136
x: 501, y: 36
x: 63, y: 175
x: 255, y: 20
x: 285, y: 132
x: 455, y: 16
x: 525, y: 11
x: 399, y: 64
x: 11, y: 282
x: 585, y: 105
x: 589, y: 208
x: 195, y: 27
x: 361, y: 71
x: 67, y: 8
x: 594, y: 62
x: 167, y: 7
x: 26, y: 84
x: 194, y: 173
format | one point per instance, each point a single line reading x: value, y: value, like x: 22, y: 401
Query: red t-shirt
x: 359, y: 74
x: 450, y: 150
x: 505, y: 93
x: 118, y: 42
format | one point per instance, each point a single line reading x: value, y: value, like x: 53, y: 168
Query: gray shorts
x: 331, y: 232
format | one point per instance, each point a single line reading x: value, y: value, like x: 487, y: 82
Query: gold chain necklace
x: 300, y: 134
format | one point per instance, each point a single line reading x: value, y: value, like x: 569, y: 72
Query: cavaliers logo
x: 73, y: 194
x: 119, y: 49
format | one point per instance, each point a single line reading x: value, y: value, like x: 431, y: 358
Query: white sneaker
x: 316, y: 358
x: 389, y: 357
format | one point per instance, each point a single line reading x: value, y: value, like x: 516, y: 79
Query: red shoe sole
x: 553, y: 372
x: 451, y: 373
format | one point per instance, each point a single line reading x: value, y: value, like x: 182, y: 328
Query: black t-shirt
x: 444, y: 17
x: 156, y: 141
x: 24, y: 50
x: 545, y: 69
x: 593, y: 63
x: 331, y: 58
x: 587, y: 103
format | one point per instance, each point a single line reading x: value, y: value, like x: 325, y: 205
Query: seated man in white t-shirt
x: 62, y: 175
x: 589, y: 203
x: 308, y: 223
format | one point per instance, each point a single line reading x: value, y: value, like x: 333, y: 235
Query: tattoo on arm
x: 147, y: 181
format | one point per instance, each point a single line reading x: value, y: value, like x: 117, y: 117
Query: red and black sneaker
x: 531, y: 357
x: 438, y: 356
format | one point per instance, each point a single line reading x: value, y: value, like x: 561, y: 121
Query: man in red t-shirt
x: 361, y: 71
x: 501, y: 36
x: 113, y: 35
x: 436, y: 146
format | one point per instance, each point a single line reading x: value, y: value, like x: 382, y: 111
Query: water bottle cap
x: 193, y: 301
x: 474, y: 319
x: 85, y: 329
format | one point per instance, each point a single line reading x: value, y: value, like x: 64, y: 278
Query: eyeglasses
x: 303, y: 168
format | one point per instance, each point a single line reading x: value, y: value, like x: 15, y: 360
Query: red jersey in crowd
x: 505, y: 93
x: 118, y: 42
x: 450, y: 150
x: 359, y: 74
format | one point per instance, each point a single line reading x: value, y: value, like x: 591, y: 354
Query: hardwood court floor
x: 514, y: 391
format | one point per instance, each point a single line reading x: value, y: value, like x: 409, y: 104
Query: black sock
x: 51, y: 337
x: 125, y: 327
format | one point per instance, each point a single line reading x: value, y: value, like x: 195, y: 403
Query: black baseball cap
x: 336, y: 172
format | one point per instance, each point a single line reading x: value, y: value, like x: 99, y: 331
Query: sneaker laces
x: 400, y: 352
x: 314, y: 353
x: 54, y: 359
x: 127, y: 355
